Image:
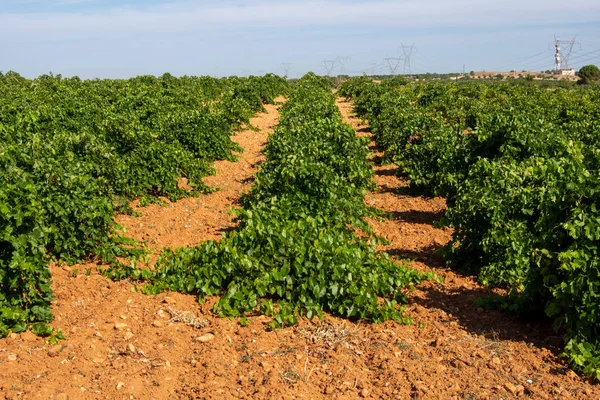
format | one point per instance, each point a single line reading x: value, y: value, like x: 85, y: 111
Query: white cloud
x: 55, y: 3
x: 190, y: 16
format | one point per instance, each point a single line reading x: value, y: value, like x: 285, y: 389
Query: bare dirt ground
x: 121, y: 344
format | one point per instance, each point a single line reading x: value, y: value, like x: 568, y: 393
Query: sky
x: 120, y: 39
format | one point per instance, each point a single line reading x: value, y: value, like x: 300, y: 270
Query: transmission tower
x: 407, y: 51
x: 329, y: 65
x: 393, y: 63
x: 341, y: 60
x: 286, y: 68
x: 563, y: 50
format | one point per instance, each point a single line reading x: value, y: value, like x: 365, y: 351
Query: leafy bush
x: 588, y: 74
x: 353, y: 88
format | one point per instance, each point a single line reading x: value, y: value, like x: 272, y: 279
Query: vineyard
x: 75, y: 152
x: 518, y: 166
x: 295, y: 252
x: 350, y: 260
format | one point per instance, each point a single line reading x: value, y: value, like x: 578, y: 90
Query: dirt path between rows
x: 125, y: 345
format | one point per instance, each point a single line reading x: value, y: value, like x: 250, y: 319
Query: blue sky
x: 109, y: 38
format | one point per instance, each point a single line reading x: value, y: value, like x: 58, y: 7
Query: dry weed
x: 325, y: 332
x: 187, y: 317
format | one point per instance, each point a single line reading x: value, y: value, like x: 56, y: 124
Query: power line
x: 381, y: 70
x: 427, y: 59
x: 341, y: 60
x: 544, y: 65
x: 537, y: 57
x: 538, y: 63
x: 365, y: 70
x: 584, y: 55
x: 596, y: 57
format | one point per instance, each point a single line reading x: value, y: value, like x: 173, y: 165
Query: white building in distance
x: 567, y: 72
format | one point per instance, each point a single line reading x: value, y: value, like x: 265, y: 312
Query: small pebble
x: 207, y: 337
x: 55, y: 350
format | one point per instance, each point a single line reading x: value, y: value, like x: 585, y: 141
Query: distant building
x: 567, y: 72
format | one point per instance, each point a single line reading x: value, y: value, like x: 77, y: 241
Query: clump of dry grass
x: 187, y: 317
x: 325, y: 332
x: 290, y: 377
